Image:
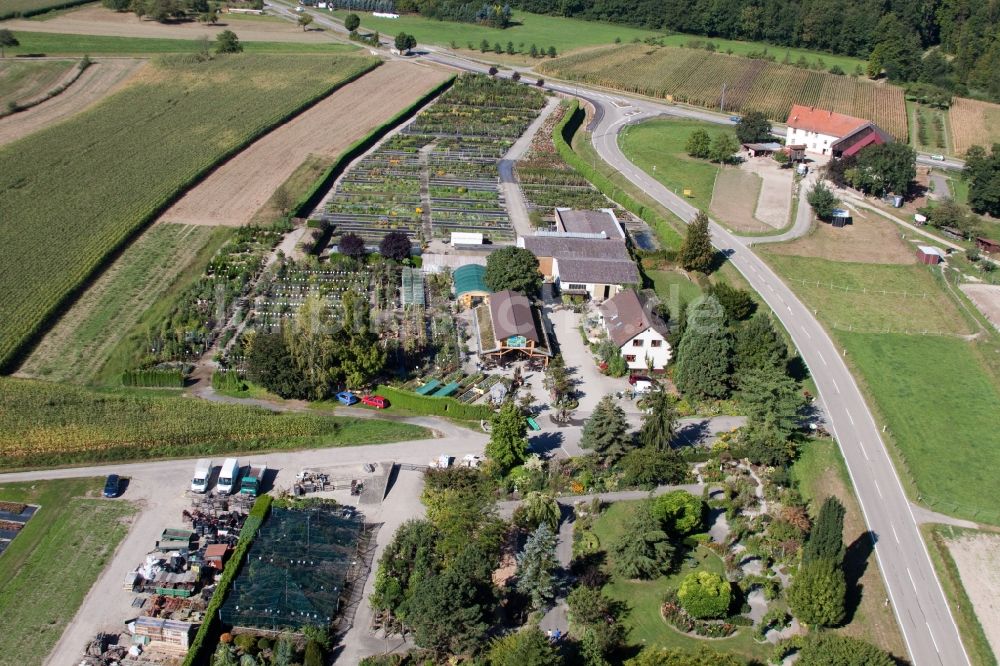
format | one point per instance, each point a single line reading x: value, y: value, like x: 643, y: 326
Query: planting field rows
x: 439, y: 175
x: 734, y: 84
x: 74, y: 193
x: 973, y: 123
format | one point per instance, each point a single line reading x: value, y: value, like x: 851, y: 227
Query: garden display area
x: 297, y: 569
x: 439, y: 175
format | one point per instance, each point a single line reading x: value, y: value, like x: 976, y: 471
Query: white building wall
x: 660, y: 355
x: 814, y: 141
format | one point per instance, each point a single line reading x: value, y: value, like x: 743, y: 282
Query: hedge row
x: 312, y: 196
x: 228, y: 380
x: 203, y: 645
x: 16, y: 107
x: 562, y: 136
x: 41, y: 10
x: 154, y: 378
x: 421, y: 404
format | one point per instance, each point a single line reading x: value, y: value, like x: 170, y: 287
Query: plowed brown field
x: 236, y: 190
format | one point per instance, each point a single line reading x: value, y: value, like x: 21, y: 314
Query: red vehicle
x: 376, y: 401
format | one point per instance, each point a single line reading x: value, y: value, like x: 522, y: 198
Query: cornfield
x: 732, y: 83
x: 70, y: 195
x: 973, y: 123
x: 40, y: 421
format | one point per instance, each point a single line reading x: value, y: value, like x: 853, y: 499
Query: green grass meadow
x: 658, y: 148
x: 565, y: 34
x: 941, y: 409
x: 52, y: 563
x: 50, y: 43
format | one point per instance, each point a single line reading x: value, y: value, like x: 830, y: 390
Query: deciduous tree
x: 395, y: 245
x: 757, y: 344
x: 351, y: 245
x: 699, y: 144
x: 227, y: 42
x: 352, y: 22
x: 754, y: 127
x: 822, y: 201
x: 305, y: 20
x: 538, y: 508
x: 724, y: 146
x: 679, y: 512
x: 526, y: 647
x: 647, y: 467
x: 675, y: 657
x: 513, y: 268
x: 829, y: 649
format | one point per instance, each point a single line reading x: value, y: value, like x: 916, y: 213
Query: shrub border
x: 434, y: 406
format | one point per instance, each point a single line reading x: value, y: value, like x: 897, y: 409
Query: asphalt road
x: 928, y: 627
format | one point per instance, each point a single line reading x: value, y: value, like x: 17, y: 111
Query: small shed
x: 928, y: 254
x: 171, y: 632
x: 762, y: 149
x: 470, y: 285
x: 466, y: 238
x: 987, y: 245
x: 796, y: 152
x: 215, y: 555
x: 840, y: 217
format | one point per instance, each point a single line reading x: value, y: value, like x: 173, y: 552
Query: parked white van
x: 202, y: 474
x: 229, y: 477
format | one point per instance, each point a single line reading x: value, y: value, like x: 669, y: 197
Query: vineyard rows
x: 70, y: 195
x: 732, y: 83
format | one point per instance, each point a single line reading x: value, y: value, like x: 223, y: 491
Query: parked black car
x: 112, y: 486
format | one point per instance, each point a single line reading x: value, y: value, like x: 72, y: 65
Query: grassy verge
x: 962, y: 609
x: 51, y: 43
x: 658, y: 147
x: 294, y: 188
x: 820, y: 472
x: 48, y: 568
x: 424, y: 405
x: 44, y: 424
x: 645, y: 625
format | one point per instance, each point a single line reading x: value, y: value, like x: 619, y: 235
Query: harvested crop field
x: 239, y: 188
x: 102, y: 78
x: 977, y: 556
x: 734, y: 199
x: 22, y: 80
x: 869, y: 240
x: 987, y: 299
x: 698, y: 77
x: 973, y: 123
x: 97, y: 20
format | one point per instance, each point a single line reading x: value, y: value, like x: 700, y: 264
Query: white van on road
x: 202, y: 475
x: 229, y: 477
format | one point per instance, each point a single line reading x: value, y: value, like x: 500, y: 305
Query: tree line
x: 893, y: 33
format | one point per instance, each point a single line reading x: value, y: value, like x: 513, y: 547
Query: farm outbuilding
x: 927, y: 254
x: 825, y: 132
x: 762, y: 149
x: 840, y: 218
x: 988, y: 245
x: 470, y: 287
x: 511, y: 325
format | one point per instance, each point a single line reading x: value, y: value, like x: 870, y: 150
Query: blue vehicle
x: 347, y: 398
x: 111, y: 486
x: 734, y: 119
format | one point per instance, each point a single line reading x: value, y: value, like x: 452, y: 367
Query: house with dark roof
x: 511, y: 326
x: 825, y: 132
x: 586, y: 256
x: 640, y: 334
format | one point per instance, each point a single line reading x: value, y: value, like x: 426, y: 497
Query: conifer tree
x: 697, y: 253
x: 606, y: 431
x: 536, y: 566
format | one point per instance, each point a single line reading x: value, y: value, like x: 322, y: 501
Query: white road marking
x: 894, y: 532
x: 851, y: 418
x: 821, y: 357
x: 864, y: 451
x: 880, y: 495
x: 835, y: 384
x: 805, y: 330
x: 912, y: 582
x: 931, y: 634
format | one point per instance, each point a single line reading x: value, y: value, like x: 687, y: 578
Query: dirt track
x: 98, y: 80
x: 987, y: 299
x: 232, y: 194
x: 977, y: 557
x: 95, y: 20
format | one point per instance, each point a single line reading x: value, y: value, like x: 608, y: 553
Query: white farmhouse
x: 824, y: 132
x: 640, y: 334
